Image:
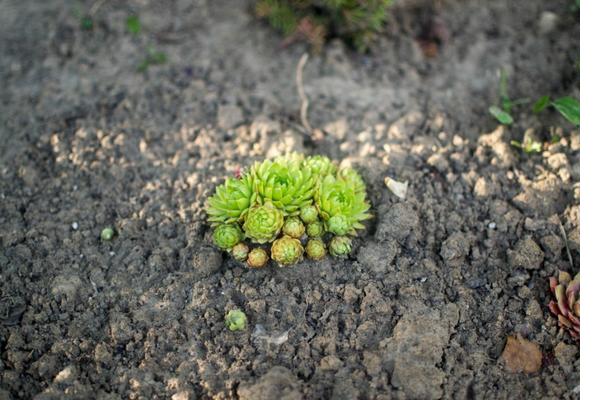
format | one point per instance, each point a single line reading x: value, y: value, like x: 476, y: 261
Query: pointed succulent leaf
x: 231, y: 201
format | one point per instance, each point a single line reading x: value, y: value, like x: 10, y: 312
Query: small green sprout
x: 236, y: 320
x: 293, y: 227
x: 133, y: 24
x: 227, y: 235
x: 286, y: 251
x: 153, y: 57
x: 315, y: 249
x: 502, y: 116
x: 107, y: 233
x: 340, y: 246
x: 240, y: 251
x: 503, y: 112
x: 257, y: 258
x: 528, y: 146
x: 314, y: 229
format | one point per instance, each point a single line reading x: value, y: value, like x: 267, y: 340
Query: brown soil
x: 422, y: 308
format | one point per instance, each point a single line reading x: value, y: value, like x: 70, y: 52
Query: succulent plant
x: 257, y: 258
x: 351, y: 177
x: 309, y: 214
x: 566, y: 303
x: 236, y: 320
x: 286, y: 251
x: 107, y: 233
x: 320, y: 165
x: 240, y: 251
x: 285, y: 182
x: 315, y: 249
x: 263, y: 222
x: 278, y: 201
x: 231, y: 200
x: 336, y: 198
x: 315, y: 229
x: 293, y: 227
x: 340, y: 246
x: 227, y: 235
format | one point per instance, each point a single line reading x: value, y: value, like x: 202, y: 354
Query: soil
x: 423, y: 307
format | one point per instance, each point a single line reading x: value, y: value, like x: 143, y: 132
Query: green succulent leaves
x: 226, y: 236
x: 257, y: 258
x: 263, y: 223
x: 315, y: 249
x: 342, y: 204
x: 287, y: 250
x: 295, y: 204
x: 340, y: 246
x: 231, y: 201
x: 236, y: 320
x: 286, y: 182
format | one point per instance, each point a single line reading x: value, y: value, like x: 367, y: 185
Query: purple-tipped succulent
x: 566, y: 304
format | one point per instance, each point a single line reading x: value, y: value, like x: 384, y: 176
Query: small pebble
x: 492, y: 225
x: 75, y: 226
x: 112, y: 253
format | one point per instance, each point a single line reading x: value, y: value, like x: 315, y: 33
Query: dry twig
x: 302, y: 94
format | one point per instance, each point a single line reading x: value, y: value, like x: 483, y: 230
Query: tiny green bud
x: 309, y: 214
x: 287, y: 250
x: 227, y: 235
x: 315, y: 249
x: 236, y: 320
x: 240, y: 251
x: 340, y: 246
x: 338, y: 225
x: 107, y: 233
x: 314, y: 229
x: 257, y: 258
x: 293, y: 227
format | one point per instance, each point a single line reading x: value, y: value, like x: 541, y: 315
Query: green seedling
x: 236, y: 320
x: 133, y: 24
x: 153, y: 57
x: 568, y: 107
x: 528, y: 146
x: 503, y: 112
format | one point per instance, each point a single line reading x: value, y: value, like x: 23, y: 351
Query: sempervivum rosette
x: 231, y: 201
x: 287, y: 251
x: 341, y: 206
x: 566, y: 302
x: 320, y: 165
x: 263, y: 223
x: 286, y: 182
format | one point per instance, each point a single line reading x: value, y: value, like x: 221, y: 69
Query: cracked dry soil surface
x: 421, y: 309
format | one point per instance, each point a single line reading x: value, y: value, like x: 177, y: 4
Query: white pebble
x: 75, y: 226
x: 112, y: 253
x: 492, y: 225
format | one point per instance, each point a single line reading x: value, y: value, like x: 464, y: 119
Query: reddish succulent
x: 566, y: 304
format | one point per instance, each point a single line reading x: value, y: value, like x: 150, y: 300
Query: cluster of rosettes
x: 288, y: 207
